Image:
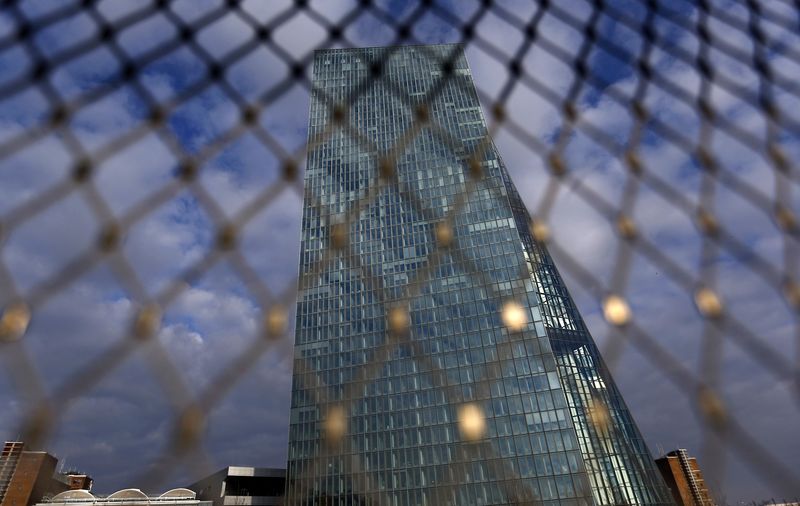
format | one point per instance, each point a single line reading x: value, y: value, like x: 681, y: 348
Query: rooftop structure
x: 126, y: 497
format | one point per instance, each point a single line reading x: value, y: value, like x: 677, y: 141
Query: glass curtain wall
x: 396, y: 398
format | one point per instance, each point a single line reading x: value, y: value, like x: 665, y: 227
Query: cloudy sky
x: 118, y: 427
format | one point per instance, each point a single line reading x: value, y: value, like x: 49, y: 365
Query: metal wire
x: 759, y: 38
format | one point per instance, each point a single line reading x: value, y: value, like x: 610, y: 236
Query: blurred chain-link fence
x: 739, y: 69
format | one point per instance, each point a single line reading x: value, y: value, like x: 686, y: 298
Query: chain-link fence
x: 673, y: 127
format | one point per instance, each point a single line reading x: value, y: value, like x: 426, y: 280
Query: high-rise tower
x: 425, y: 298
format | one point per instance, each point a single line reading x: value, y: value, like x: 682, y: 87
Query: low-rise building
x: 243, y: 486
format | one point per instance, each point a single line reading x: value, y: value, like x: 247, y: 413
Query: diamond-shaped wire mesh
x: 698, y: 141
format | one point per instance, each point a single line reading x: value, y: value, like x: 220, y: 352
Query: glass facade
x: 448, y: 243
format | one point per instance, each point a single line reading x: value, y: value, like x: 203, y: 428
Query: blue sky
x: 120, y: 426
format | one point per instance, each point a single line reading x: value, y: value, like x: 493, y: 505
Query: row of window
x: 430, y: 407
x: 465, y: 341
x: 400, y: 491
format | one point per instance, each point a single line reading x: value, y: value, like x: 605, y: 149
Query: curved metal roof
x: 179, y: 493
x: 73, y: 494
x: 129, y: 493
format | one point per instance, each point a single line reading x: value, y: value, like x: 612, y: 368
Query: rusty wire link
x: 699, y: 284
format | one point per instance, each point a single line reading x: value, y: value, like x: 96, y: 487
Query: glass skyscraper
x: 423, y: 293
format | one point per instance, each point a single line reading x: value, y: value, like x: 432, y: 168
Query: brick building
x: 684, y: 478
x: 26, y: 477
